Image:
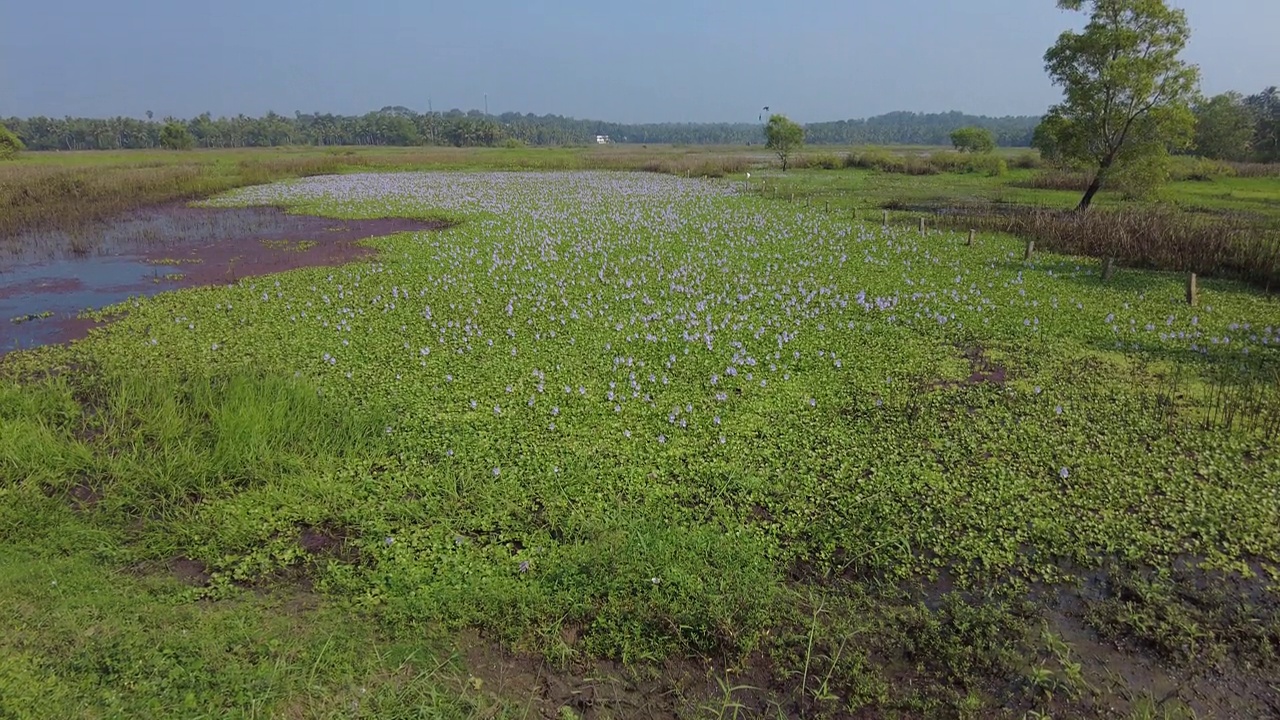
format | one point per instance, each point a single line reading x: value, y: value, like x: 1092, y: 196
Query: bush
x: 175, y: 136
x: 822, y: 161
x: 1200, y: 169
x: 1140, y: 180
x: 889, y: 162
x: 940, y: 162
x: 512, y: 143
x: 1028, y: 161
x: 973, y: 140
x: 10, y: 144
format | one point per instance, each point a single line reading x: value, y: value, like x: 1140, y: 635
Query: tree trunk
x: 1094, y: 187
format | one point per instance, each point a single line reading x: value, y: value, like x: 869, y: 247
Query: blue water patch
x: 65, y: 288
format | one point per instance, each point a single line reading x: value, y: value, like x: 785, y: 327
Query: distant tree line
x: 1231, y: 126
x: 908, y: 128
x: 395, y: 125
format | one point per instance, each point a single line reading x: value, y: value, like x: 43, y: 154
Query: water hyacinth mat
x: 657, y: 411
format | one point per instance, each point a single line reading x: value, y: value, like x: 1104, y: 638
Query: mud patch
x: 602, y: 689
x: 52, y: 278
x: 325, y: 542
x: 982, y: 371
x: 83, y: 497
x: 190, y: 572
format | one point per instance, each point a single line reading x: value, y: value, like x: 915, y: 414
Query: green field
x: 641, y: 445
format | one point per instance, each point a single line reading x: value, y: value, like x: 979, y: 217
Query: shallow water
x: 47, y: 280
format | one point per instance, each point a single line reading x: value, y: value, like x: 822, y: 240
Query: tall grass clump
x: 1056, y: 179
x: 150, y: 441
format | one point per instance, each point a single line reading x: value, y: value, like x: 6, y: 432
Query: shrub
x: 10, y: 144
x: 885, y: 161
x: 175, y: 136
x: 1027, y: 161
x: 973, y: 140
x: 822, y: 161
x: 1200, y: 169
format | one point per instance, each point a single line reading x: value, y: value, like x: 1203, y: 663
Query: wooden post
x: 971, y: 234
x: 828, y: 207
x: 921, y: 226
x: 793, y: 198
x: 1031, y: 250
x: 1108, y: 269
x: 886, y: 218
x: 1193, y: 290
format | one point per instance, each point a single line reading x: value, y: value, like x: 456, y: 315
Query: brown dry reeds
x: 1153, y: 238
x: 1254, y: 170
x: 70, y: 198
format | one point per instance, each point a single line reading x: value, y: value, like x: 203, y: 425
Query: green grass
x: 86, y: 639
x: 865, y: 514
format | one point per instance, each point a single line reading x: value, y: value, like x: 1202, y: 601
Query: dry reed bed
x: 1154, y: 238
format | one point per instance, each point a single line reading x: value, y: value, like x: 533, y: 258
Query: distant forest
x: 395, y: 125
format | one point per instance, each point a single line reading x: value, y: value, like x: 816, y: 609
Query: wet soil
x: 46, y: 284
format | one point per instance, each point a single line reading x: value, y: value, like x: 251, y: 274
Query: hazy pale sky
x: 657, y: 60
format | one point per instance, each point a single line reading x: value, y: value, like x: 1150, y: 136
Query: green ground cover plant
x: 791, y: 463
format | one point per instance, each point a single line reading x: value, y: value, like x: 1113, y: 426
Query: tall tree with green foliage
x: 784, y: 137
x: 175, y: 136
x: 1126, y: 92
x: 974, y: 140
x: 1224, y: 127
x: 1265, y: 107
x: 10, y: 144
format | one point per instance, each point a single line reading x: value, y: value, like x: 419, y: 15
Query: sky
x: 651, y: 61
